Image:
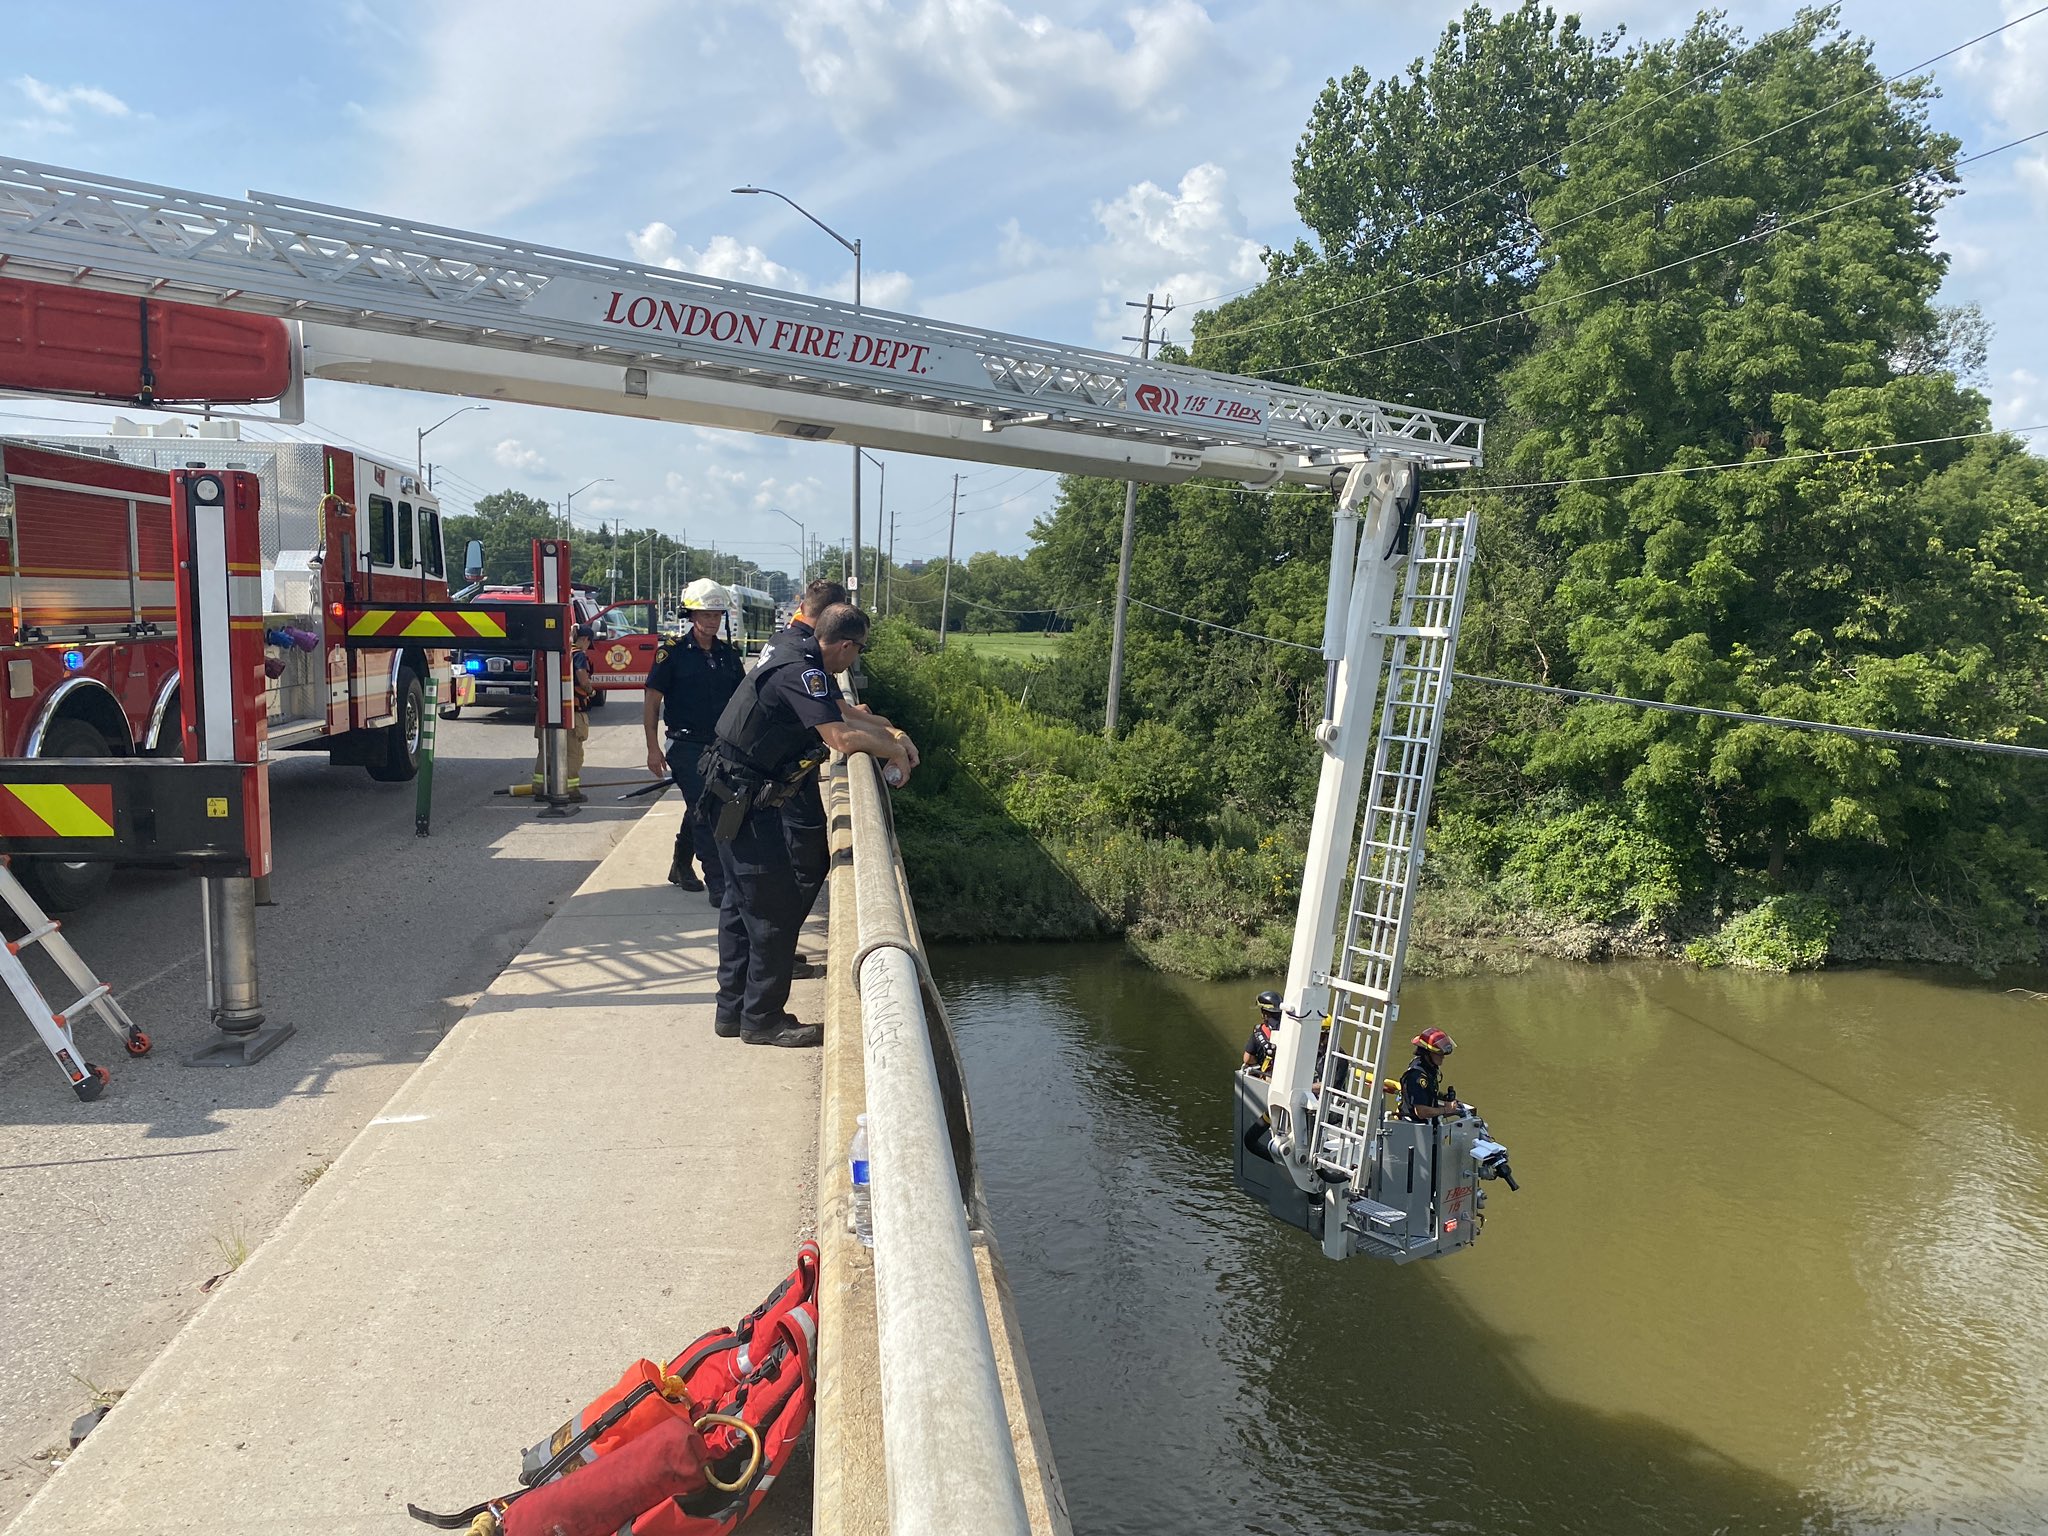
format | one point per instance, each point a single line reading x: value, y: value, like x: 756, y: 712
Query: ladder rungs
x: 34, y: 936
x: 86, y: 1001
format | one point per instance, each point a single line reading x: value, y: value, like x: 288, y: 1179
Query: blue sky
x: 1023, y: 167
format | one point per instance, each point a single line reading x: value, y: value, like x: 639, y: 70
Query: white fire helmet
x: 707, y: 596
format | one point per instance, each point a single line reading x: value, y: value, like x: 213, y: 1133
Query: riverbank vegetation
x: 1737, y: 458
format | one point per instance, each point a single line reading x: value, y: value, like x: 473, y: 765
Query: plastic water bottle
x: 892, y: 776
x: 863, y: 1212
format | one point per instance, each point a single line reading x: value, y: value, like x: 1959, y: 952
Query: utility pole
x: 946, y: 592
x: 889, y: 571
x: 1123, y: 564
x: 611, y: 557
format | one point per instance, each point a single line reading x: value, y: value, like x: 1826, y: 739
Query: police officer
x: 1422, y: 1095
x: 803, y: 817
x: 771, y: 738
x: 1258, y: 1051
x: 686, y: 691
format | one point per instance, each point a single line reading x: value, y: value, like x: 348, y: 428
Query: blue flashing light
x: 473, y: 664
x: 73, y: 660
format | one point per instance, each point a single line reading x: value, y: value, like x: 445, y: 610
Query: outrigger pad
x: 686, y: 1449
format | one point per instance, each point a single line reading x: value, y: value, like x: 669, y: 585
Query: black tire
x: 597, y: 700
x: 402, y: 737
x: 170, y: 740
x: 58, y: 886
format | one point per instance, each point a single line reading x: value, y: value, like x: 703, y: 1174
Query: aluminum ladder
x: 55, y: 1027
x: 1365, y: 982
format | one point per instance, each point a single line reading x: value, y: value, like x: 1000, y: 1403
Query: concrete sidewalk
x: 579, y: 1175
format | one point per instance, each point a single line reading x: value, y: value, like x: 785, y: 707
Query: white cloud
x: 505, y: 102
x: 1187, y: 244
x: 516, y: 456
x: 2033, y: 175
x: 59, y: 107
x: 875, y: 67
x: 658, y: 246
x: 2012, y: 70
x: 2018, y: 400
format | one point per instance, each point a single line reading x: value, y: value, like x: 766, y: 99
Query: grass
x: 1031, y: 645
x: 233, y: 1246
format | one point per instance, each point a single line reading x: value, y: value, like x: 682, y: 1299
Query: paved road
x: 116, y: 1212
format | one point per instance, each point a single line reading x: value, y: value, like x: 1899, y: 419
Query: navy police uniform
x: 768, y: 748
x: 695, y: 686
x: 803, y: 817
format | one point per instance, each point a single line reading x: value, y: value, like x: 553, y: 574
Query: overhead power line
x: 1782, y: 722
x: 1777, y: 228
x: 1733, y: 464
x: 1545, y: 235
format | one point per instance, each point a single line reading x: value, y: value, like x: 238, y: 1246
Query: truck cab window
x: 405, y: 545
x: 383, y: 532
x: 430, y: 542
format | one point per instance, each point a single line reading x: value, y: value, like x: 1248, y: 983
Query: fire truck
x: 87, y: 622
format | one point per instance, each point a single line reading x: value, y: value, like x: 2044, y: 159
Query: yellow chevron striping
x: 487, y: 625
x: 426, y: 625
x: 371, y: 622
x: 62, y: 811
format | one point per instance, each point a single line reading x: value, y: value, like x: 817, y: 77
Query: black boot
x: 680, y: 873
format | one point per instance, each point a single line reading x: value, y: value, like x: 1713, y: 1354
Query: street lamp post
x: 803, y: 549
x: 881, y: 512
x: 419, y: 438
x: 853, y: 574
x: 569, y: 504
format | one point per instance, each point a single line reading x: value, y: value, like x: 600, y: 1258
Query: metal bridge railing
x: 961, y: 1439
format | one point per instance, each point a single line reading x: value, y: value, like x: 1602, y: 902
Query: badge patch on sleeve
x: 814, y: 682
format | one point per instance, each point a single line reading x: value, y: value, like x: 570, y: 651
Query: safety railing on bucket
x: 921, y: 1359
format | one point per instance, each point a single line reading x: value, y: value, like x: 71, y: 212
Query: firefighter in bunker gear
x: 583, y: 691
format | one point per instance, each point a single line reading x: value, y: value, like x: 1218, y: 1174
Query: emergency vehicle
x: 87, y: 622
x: 621, y: 655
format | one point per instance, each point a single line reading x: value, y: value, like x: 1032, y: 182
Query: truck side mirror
x: 473, y: 560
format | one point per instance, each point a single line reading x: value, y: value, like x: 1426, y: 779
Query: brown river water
x: 1779, y: 1261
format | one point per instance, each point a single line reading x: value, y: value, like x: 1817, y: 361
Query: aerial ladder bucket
x: 1314, y: 1143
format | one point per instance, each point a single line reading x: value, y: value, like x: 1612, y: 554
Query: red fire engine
x: 87, y: 624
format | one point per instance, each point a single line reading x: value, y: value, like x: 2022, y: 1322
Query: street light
x: 419, y: 438
x: 853, y: 576
x: 881, y: 511
x: 804, y: 547
x: 569, y: 504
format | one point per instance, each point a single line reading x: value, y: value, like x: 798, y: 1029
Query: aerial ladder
x: 391, y: 302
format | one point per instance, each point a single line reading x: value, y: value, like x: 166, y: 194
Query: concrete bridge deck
x: 580, y: 1174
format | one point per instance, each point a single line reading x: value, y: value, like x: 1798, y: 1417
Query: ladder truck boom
x: 563, y: 327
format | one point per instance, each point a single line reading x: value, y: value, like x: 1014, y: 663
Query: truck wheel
x: 597, y: 699
x: 402, y: 737
x: 56, y: 885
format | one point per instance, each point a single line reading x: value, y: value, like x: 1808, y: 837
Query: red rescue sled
x: 686, y: 1449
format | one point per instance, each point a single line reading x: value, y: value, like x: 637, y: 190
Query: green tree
x: 1418, y: 191
x: 507, y: 522
x: 1748, y: 271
